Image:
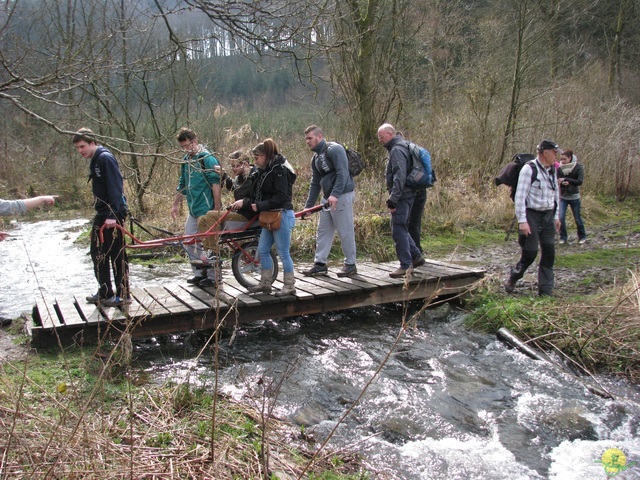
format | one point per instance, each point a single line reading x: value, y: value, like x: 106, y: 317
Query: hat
x: 548, y: 145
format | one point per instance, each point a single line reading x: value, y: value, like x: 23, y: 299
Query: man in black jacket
x: 401, y: 198
x: 111, y: 210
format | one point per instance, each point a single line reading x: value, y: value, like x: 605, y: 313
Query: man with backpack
x: 200, y: 184
x: 401, y: 198
x: 536, y: 205
x: 330, y: 175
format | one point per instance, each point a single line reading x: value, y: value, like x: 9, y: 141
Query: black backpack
x: 354, y: 159
x: 510, y: 173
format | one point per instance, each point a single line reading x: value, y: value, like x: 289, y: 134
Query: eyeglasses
x: 186, y: 146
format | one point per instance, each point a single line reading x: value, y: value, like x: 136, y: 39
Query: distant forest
x: 474, y: 81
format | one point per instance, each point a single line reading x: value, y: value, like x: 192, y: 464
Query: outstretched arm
x: 36, y: 202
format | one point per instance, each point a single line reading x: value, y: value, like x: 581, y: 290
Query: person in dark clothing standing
x: 111, y: 210
x: 536, y: 205
x: 401, y: 198
x: 570, y: 177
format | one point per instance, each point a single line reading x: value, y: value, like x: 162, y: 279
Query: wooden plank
x: 68, y: 313
x: 209, y: 300
x: 358, y: 281
x: 113, y: 314
x: 234, y: 289
x: 352, y: 283
x: 148, y: 302
x: 48, y: 314
x: 93, y: 315
x: 308, y: 284
x: 456, y: 266
x: 167, y: 300
x: 189, y: 301
x: 324, y: 281
x: 372, y: 274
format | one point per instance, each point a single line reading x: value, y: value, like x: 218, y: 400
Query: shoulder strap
x: 534, y: 170
x: 201, y: 157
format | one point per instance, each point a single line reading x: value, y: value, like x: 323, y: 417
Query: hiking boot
x: 316, y: 270
x: 347, y: 271
x: 95, y: 298
x: 207, y: 282
x: 399, y: 273
x: 115, y: 301
x: 582, y: 241
x: 418, y: 262
x: 195, y: 280
x: 266, y: 280
x: 510, y: 285
x: 289, y: 287
x: 562, y: 241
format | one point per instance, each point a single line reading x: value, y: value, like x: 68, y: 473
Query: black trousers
x: 543, y: 232
x: 109, y: 255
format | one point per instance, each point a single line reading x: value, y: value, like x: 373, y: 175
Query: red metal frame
x: 195, y: 237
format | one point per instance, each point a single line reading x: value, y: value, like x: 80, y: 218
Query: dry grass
x: 59, y: 420
x: 596, y: 333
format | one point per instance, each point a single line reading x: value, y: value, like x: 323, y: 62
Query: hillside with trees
x: 475, y: 81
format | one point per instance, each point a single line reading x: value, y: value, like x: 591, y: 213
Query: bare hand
x: 524, y: 228
x: 110, y: 223
x: 333, y: 201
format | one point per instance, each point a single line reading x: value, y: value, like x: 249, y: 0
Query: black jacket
x: 575, y: 179
x: 273, y: 186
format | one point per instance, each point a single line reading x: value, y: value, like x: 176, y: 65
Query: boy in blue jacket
x: 111, y: 209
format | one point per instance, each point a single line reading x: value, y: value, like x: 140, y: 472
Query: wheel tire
x: 248, y: 273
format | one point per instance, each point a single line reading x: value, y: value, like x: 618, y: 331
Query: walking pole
x: 513, y: 223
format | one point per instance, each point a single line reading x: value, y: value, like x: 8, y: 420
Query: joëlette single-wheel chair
x: 241, y: 243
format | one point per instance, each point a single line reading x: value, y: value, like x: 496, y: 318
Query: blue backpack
x: 421, y: 175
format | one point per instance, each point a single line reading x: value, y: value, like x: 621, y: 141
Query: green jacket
x: 196, y: 178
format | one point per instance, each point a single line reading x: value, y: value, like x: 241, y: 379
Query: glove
x: 391, y: 205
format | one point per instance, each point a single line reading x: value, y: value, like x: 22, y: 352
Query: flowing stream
x: 447, y: 404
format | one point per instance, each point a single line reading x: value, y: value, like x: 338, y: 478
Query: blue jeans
x: 575, y: 209
x: 282, y: 239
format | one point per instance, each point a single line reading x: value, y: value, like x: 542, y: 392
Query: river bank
x: 436, y: 396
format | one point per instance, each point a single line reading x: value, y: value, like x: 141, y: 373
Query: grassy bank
x: 84, y: 414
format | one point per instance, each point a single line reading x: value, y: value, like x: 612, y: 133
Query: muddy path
x: 498, y: 258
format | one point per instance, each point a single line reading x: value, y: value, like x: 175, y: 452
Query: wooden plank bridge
x: 158, y: 310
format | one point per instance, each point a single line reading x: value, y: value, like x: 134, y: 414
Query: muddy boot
x: 289, y: 287
x: 265, y: 283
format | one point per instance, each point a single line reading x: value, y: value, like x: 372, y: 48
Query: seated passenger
x: 241, y: 187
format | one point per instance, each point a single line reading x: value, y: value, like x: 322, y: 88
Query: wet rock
x: 569, y: 424
x: 310, y: 414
